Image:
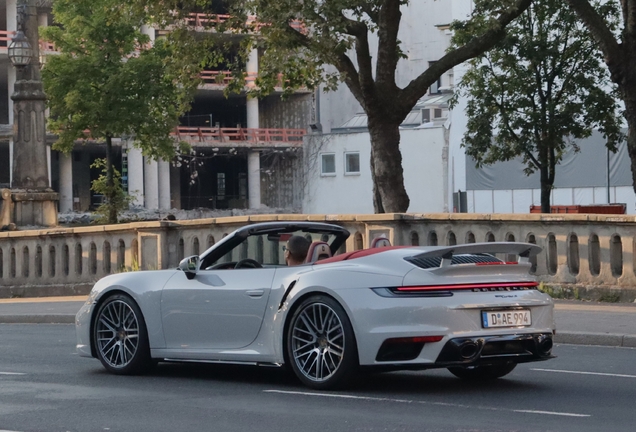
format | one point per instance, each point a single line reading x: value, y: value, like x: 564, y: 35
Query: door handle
x: 255, y: 293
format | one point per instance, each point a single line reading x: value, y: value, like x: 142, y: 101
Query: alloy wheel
x: 117, y: 331
x: 318, y: 342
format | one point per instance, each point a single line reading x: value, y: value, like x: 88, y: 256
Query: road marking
x: 408, y: 401
x: 552, y: 413
x: 585, y: 373
x: 7, y: 431
x: 11, y: 373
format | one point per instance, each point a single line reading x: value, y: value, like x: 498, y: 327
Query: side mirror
x: 190, y: 266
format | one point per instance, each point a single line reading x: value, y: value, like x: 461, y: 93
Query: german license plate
x: 506, y: 318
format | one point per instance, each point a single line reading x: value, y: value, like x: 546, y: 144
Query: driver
x: 296, y: 250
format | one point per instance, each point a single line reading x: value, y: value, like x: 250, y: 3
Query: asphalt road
x: 45, y: 386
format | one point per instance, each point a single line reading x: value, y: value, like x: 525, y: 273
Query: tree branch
x: 351, y: 78
x: 342, y: 62
x: 597, y: 26
x: 365, y: 74
x: 629, y: 16
x: 388, y: 26
x: 373, y: 14
x: 418, y: 87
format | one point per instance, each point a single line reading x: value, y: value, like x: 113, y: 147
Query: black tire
x: 331, y: 348
x: 487, y: 372
x: 120, y: 336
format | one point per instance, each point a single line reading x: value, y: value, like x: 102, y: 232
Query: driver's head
x: 296, y: 250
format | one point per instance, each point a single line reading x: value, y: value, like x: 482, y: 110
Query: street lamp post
x: 33, y: 201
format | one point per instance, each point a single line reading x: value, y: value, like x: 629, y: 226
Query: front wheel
x: 488, y: 372
x: 321, y: 346
x: 120, y: 336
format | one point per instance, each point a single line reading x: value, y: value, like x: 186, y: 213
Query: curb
x: 603, y: 339
x: 37, y: 319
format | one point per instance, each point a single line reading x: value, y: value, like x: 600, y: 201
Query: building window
x: 352, y: 163
x: 328, y: 165
x: 434, y: 89
x: 220, y: 186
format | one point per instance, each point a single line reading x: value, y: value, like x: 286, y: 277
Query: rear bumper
x: 483, y: 350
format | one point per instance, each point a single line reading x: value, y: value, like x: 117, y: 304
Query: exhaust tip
x: 544, y: 345
x: 468, y: 350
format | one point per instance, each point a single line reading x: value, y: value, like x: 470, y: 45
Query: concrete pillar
x: 253, y: 120
x: 66, y: 182
x: 164, y: 185
x: 11, y: 157
x: 135, y: 176
x: 252, y: 65
x: 12, y: 25
x: 48, y: 162
x: 148, y: 31
x: 253, y: 157
x: 254, y: 179
x: 151, y: 183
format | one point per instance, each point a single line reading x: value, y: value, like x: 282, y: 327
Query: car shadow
x: 387, y: 384
x: 226, y: 373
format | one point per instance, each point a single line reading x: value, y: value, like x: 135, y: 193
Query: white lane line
x: 552, y: 413
x: 11, y: 373
x: 2, y: 430
x: 408, y: 401
x: 585, y: 373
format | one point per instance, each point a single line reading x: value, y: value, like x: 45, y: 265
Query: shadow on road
x: 389, y: 384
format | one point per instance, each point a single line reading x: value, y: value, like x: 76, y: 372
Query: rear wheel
x: 487, y: 372
x: 321, y: 346
x: 120, y: 336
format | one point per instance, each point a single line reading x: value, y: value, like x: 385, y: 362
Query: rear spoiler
x: 523, y: 250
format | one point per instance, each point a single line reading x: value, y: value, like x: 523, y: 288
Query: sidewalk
x: 581, y: 323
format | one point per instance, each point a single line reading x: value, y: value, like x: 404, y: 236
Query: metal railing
x: 212, y: 20
x: 250, y: 135
x: 224, y: 77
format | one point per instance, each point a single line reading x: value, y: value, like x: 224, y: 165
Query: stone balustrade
x: 591, y: 255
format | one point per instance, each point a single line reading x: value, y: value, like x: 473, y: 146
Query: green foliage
x: 560, y: 292
x: 108, y: 80
x: 311, y: 43
x: 134, y: 266
x: 541, y: 87
x: 610, y: 297
x: 117, y: 199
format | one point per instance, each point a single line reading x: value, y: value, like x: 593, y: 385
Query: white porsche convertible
x: 389, y: 308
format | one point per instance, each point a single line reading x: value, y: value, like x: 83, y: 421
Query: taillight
x: 508, y: 286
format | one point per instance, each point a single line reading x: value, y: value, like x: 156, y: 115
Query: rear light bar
x: 508, y: 286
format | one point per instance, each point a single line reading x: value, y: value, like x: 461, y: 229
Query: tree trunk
x: 630, y: 116
x: 110, y: 182
x: 546, y: 189
x: 389, y: 194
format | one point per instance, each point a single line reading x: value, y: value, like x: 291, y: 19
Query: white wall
x: 520, y: 200
x: 422, y: 42
x: 461, y: 10
x: 421, y: 159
